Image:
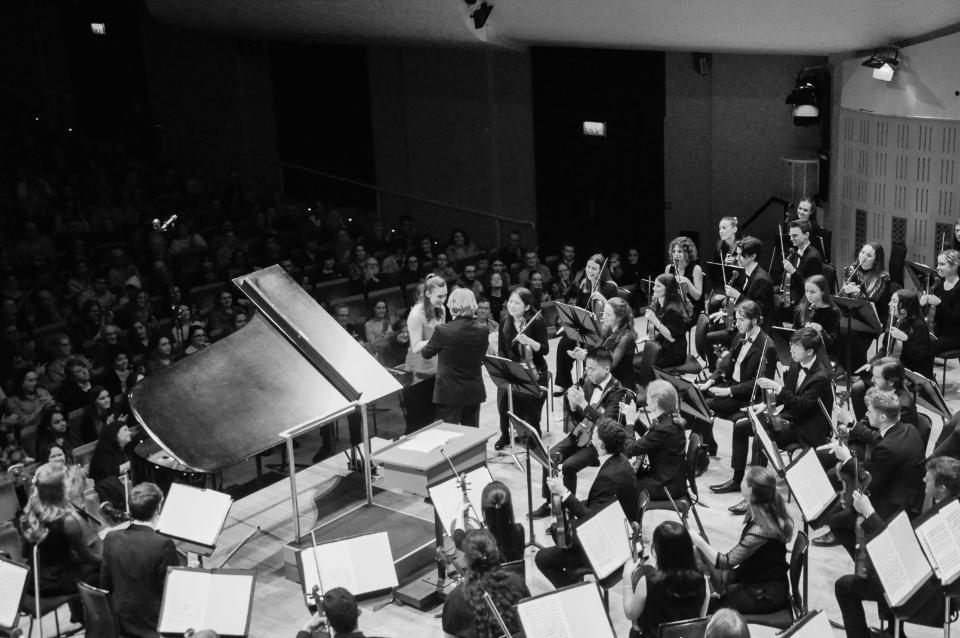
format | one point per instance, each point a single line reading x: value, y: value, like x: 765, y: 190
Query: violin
x: 316, y: 594
x: 564, y: 531
x: 730, y: 304
x: 685, y: 302
x: 890, y: 345
x: 932, y: 281
x: 526, y: 351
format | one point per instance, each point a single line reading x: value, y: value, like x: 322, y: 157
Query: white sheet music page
x: 810, y: 485
x: 572, y: 612
x: 193, y: 599
x: 194, y: 514
x: 604, y: 539
x: 898, y: 560
x: 941, y: 544
x: 544, y: 617
x: 361, y: 565
x: 447, y: 496
x: 428, y: 440
x: 13, y: 578
x: 766, y: 441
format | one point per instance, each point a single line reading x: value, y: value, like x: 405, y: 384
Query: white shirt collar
x: 748, y: 270
x: 603, y: 458
x: 884, y: 431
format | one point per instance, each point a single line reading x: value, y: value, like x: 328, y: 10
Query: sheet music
x: 571, y: 612
x: 447, y: 496
x: 941, y: 544
x: 200, y: 599
x: 428, y: 440
x: 813, y: 625
x: 13, y: 578
x: 766, y: 441
x: 604, y: 539
x: 898, y: 560
x: 810, y: 485
x: 194, y: 514
x: 360, y: 565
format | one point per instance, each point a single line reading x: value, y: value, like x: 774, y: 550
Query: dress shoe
x: 541, y: 512
x: 729, y: 487
x: 501, y: 443
x: 739, y: 509
x: 827, y: 540
x: 560, y: 392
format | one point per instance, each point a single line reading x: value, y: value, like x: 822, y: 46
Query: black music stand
x: 579, y: 325
x: 537, y: 450
x: 692, y: 401
x: 921, y: 274
x: 927, y: 393
x: 512, y: 376
x: 861, y: 316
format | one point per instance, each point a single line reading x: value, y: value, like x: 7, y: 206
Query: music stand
x: 579, y: 325
x: 692, y: 401
x: 861, y: 316
x: 536, y: 449
x: 512, y: 376
x: 927, y: 393
x: 921, y: 274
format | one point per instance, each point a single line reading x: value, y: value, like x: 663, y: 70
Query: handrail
x: 762, y: 210
x: 344, y: 180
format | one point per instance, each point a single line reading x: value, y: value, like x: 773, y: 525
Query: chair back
x: 551, y: 316
x: 692, y: 628
x: 924, y: 427
x: 898, y: 255
x: 99, y: 619
x: 798, y: 558
x: 10, y: 541
x: 700, y: 334
x: 9, y: 503
x: 694, y: 450
x: 83, y: 453
x: 830, y: 273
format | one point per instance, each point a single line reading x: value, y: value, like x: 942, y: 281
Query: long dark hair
x: 484, y: 575
x: 910, y: 304
x: 820, y: 282
x: 497, y: 506
x: 676, y: 563
x: 671, y: 297
x: 767, y: 508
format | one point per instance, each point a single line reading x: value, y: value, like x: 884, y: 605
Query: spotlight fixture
x: 884, y: 62
x: 803, y: 98
x: 480, y: 16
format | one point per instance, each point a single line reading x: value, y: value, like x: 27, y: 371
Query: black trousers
x: 526, y: 407
x: 723, y: 407
x: 563, y: 377
x: 722, y: 337
x: 557, y: 564
x: 950, y: 443
x: 573, y: 459
x: 742, y: 432
x: 851, y: 591
x: 459, y: 413
x: 843, y: 525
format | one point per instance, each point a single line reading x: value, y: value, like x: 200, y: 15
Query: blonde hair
x: 48, y: 501
x: 462, y: 303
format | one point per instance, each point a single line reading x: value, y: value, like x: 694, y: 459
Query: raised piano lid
x: 232, y: 399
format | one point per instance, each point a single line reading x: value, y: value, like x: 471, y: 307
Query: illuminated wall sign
x: 596, y: 129
x: 98, y: 28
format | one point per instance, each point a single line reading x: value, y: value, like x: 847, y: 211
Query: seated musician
x: 662, y: 447
x: 673, y: 590
x: 615, y: 480
x: 867, y: 279
x: 887, y: 374
x: 465, y: 614
x: 941, y: 484
x: 666, y: 326
x: 598, y: 395
x: 894, y: 462
x: 949, y: 443
x: 817, y: 309
x: 910, y: 335
x: 752, y: 576
x: 754, y: 283
x: 801, y: 420
x: 496, y: 507
x: 730, y: 386
x: 682, y: 254
x: 803, y: 261
x: 340, y: 610
x: 944, y: 296
x: 616, y: 328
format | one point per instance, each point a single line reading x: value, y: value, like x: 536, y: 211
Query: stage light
x: 480, y: 16
x: 883, y: 62
x: 803, y: 98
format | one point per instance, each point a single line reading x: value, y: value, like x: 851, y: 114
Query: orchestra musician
x: 819, y: 311
x: 941, y: 484
x: 616, y: 328
x: 804, y: 262
x: 755, y: 284
x: 598, y: 395
x: 801, y: 420
x: 910, y: 335
x: 683, y: 265
x: 887, y: 374
x: 866, y: 278
x: 593, y: 290
x: 894, y: 460
x: 730, y: 387
x: 806, y: 211
x: 496, y: 508
x: 945, y: 298
x: 615, y: 481
x: 756, y: 567
x: 522, y: 338
x: 724, y: 253
x: 665, y: 326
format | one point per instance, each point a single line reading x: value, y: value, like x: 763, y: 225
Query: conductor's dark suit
x: 461, y: 345
x: 133, y: 570
x: 615, y: 481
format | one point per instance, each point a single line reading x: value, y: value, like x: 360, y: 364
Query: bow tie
x: 806, y: 370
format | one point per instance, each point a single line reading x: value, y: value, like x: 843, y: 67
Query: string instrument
x: 860, y: 554
x: 891, y: 347
x: 596, y: 304
x: 683, y: 511
x: 785, y: 292
x: 853, y: 274
x: 583, y: 432
x: 476, y: 520
x: 564, y: 532
x: 496, y: 614
x: 729, y: 303
x: 316, y: 594
x: 930, y: 318
x: 633, y: 539
x: 685, y: 302
x: 526, y: 351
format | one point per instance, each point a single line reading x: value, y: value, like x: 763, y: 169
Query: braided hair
x: 484, y: 575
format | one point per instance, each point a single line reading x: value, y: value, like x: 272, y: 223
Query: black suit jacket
x: 608, y: 406
x: 811, y: 263
x: 615, y: 481
x: 665, y: 446
x: 748, y: 369
x: 895, y: 464
x: 133, y: 570
x: 759, y: 287
x: 461, y: 345
x: 800, y: 403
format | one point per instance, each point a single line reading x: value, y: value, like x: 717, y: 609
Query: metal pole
x: 291, y: 462
x: 367, y: 456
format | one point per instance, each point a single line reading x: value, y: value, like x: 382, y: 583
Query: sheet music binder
x: 604, y: 540
x: 769, y: 446
x: 534, y: 444
x: 361, y: 564
x: 569, y: 612
x: 220, y: 600
x: 447, y: 496
x: 899, y: 562
x: 807, y: 480
x: 13, y: 581
x: 194, y: 515
x: 938, y: 531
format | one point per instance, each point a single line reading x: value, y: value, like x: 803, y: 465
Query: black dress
x: 663, y: 605
x: 526, y: 407
x: 829, y: 319
x: 758, y: 583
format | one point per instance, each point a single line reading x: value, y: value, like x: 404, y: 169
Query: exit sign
x: 595, y: 129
